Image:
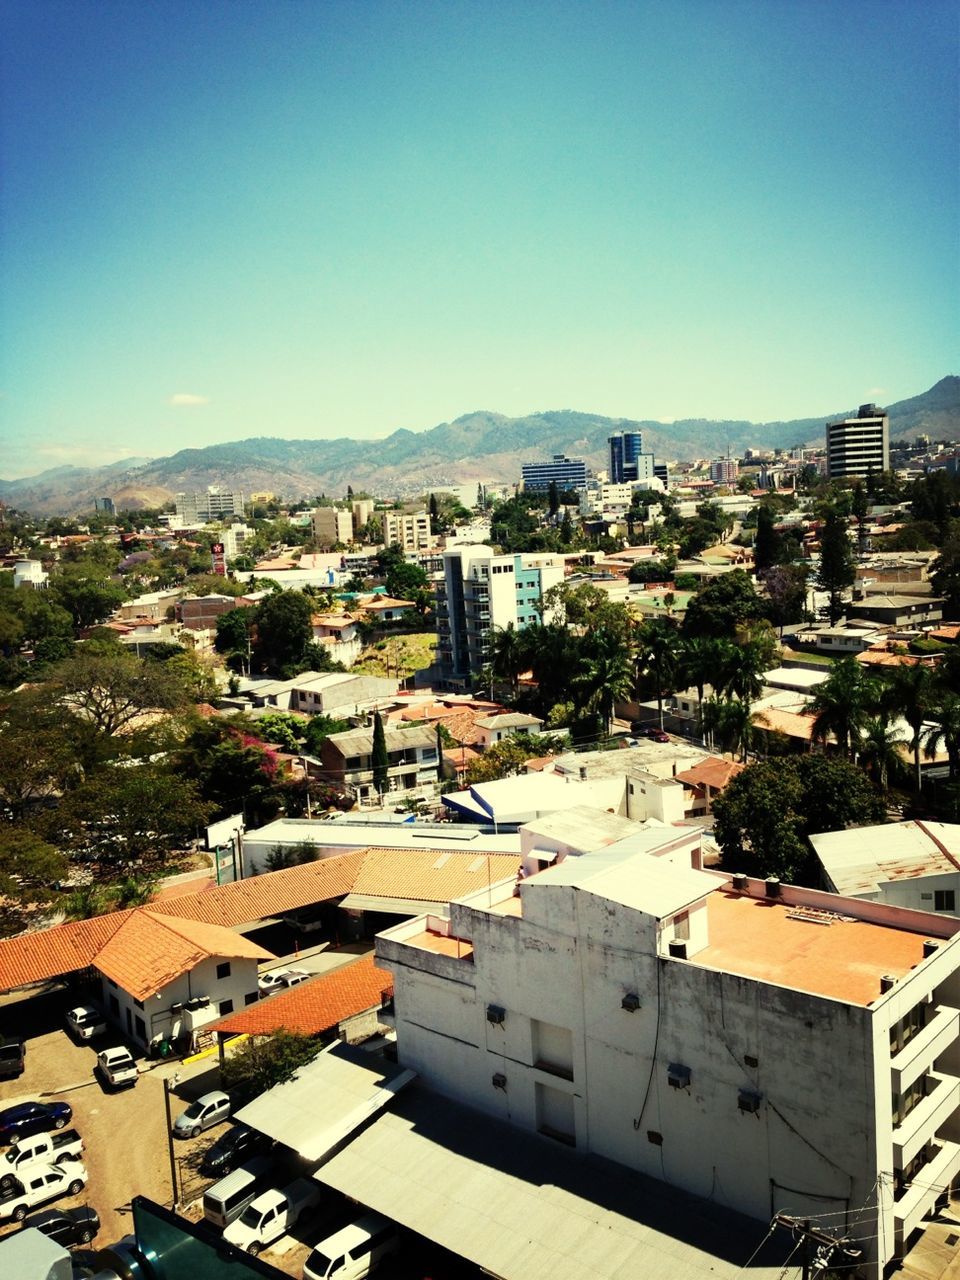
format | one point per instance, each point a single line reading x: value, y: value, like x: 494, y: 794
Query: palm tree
x: 944, y: 730
x: 841, y: 705
x: 605, y: 677
x: 730, y: 722
x: 507, y: 654
x: 913, y: 693
x: 701, y: 657
x: 754, y: 653
x: 658, y: 655
x: 879, y: 748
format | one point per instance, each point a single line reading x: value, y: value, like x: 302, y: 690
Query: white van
x: 224, y: 1201
x: 353, y: 1252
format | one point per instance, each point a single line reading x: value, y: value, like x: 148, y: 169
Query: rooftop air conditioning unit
x: 500, y: 1081
x: 748, y: 1100
x: 496, y: 1015
x: 678, y: 949
x: 678, y: 1077
x: 630, y: 1002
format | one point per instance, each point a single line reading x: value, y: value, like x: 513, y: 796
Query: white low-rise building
x: 767, y: 1047
x: 30, y: 573
x: 907, y: 864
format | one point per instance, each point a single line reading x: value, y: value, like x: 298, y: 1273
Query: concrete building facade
x: 331, y: 525
x: 410, y: 530
x: 481, y: 591
x: 857, y: 446
x: 768, y: 1047
x: 213, y: 504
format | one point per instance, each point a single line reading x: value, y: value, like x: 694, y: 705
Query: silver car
x: 209, y: 1109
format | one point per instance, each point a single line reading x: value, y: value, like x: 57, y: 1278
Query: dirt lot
x: 124, y: 1133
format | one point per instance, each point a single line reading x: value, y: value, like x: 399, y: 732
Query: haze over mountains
x: 478, y: 446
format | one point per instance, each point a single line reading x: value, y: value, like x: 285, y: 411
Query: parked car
x: 272, y: 1215
x: 42, y: 1148
x: 280, y: 979
x: 12, y: 1054
x: 116, y: 1068
x: 353, y: 1252
x: 642, y: 729
x: 659, y: 736
x: 209, y: 1109
x: 231, y: 1149
x: 47, y: 1182
x: 86, y: 1021
x: 28, y: 1118
x: 67, y: 1227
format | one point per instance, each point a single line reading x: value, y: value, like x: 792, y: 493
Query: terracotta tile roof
x: 712, y: 772
x: 46, y: 953
x: 428, y: 875
x: 316, y: 1006
x: 265, y: 895
x: 386, y: 602
x: 791, y: 723
x: 149, y: 950
x: 882, y: 657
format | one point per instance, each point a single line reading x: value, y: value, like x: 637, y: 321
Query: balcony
x: 922, y: 1050
x: 913, y: 1205
x: 920, y: 1126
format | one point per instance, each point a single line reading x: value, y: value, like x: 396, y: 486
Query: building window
x: 553, y: 1049
x: 555, y: 1115
x: 138, y: 1003
x: 223, y: 970
x: 681, y: 925
x: 944, y: 900
x: 141, y: 1030
x: 251, y: 997
x: 226, y: 1006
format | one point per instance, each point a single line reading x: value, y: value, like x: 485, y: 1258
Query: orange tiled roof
x: 386, y: 602
x: 151, y: 949
x: 316, y: 1006
x: 712, y: 772
x: 46, y: 953
x: 882, y: 657
x: 792, y: 723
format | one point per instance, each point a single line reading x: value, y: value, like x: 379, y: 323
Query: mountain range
x: 480, y: 446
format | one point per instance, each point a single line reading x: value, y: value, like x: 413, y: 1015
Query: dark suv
x: 66, y: 1226
x: 12, y: 1054
x: 232, y: 1149
x: 28, y: 1118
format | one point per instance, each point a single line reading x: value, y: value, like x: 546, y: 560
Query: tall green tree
x: 913, y: 693
x: 841, y: 705
x: 109, y: 687
x: 508, y: 656
x: 723, y: 605
x: 768, y: 544
x: 836, y: 571
x: 30, y: 869
x: 283, y: 632
x: 765, y: 816
x: 943, y: 731
x: 604, y: 678
x: 379, y: 759
x: 945, y: 576
x: 658, y: 651
x: 880, y: 749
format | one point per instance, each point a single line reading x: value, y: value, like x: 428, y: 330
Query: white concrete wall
x: 649, y: 796
x: 823, y: 1132
x: 201, y: 981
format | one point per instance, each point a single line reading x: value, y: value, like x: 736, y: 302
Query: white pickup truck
x: 41, y: 1149
x: 272, y: 1215
x: 116, y: 1067
x: 43, y: 1183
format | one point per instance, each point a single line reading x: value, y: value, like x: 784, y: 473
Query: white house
x: 30, y: 573
x: 906, y: 864
x: 768, y: 1047
x: 506, y: 724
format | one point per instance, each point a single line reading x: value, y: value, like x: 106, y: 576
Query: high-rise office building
x: 625, y: 448
x: 214, y: 504
x: 410, y: 530
x: 857, y: 446
x: 724, y: 471
x: 565, y: 473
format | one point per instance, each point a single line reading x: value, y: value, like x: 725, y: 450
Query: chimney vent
x: 740, y: 882
x: 887, y: 983
x: 773, y: 887
x: 929, y: 947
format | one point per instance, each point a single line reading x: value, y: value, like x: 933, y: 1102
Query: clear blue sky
x: 220, y: 220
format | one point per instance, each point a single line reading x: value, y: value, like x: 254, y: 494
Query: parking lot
x: 125, y: 1140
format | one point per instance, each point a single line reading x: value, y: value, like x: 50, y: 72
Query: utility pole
x: 827, y: 1244
x: 173, y: 1163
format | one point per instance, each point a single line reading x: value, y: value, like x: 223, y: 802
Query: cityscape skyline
x: 335, y: 222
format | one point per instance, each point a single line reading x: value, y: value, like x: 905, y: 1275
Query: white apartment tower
x: 767, y: 1047
x: 410, y: 530
x: 213, y: 504
x: 481, y: 591
x: 857, y: 446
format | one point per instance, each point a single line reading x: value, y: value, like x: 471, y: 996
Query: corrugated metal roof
x: 326, y: 1100
x: 525, y: 1208
x: 860, y: 859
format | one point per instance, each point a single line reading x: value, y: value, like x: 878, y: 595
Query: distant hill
x: 479, y: 446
